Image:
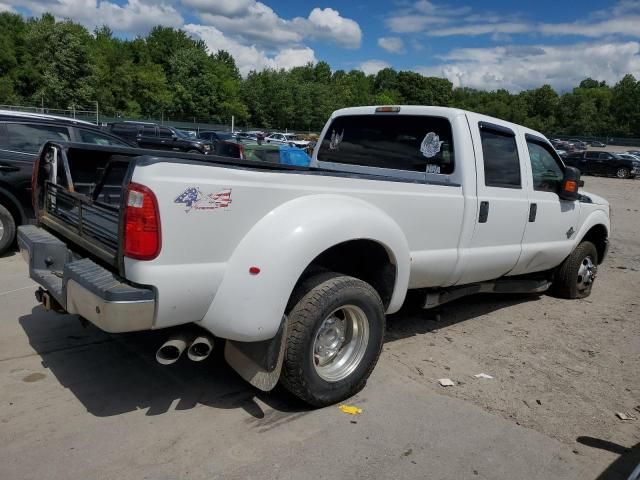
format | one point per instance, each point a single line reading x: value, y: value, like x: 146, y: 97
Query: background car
x: 215, y: 135
x: 282, y: 154
x: 603, y: 163
x: 156, y: 137
x: 578, y: 144
x: 286, y: 139
x: 595, y: 143
x: 21, y: 136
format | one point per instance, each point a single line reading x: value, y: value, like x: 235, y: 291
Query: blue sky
x: 486, y: 45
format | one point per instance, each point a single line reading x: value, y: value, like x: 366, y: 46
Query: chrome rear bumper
x: 83, y: 287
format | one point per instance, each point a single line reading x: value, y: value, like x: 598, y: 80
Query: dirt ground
x: 77, y: 403
x: 561, y: 367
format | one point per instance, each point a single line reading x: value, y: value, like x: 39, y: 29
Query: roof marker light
x: 387, y: 109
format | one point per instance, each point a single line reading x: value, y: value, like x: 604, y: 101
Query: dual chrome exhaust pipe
x: 198, y: 349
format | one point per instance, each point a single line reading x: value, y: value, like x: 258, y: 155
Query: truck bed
x: 84, y: 202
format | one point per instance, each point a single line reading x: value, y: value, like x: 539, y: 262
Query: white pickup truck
x: 296, y: 267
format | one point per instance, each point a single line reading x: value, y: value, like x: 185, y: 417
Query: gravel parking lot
x: 76, y: 403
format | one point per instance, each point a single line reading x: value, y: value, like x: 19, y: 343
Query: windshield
x: 185, y: 135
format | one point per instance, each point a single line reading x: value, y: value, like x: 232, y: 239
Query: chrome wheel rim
x: 586, y: 273
x: 1, y: 229
x: 622, y: 173
x: 340, y: 343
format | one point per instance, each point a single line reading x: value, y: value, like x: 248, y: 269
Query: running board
x: 438, y: 297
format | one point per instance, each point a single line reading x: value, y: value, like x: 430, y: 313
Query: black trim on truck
x: 496, y: 128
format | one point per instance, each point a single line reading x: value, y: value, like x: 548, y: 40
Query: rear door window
x: 148, y: 131
x: 96, y: 138
x: 165, y: 133
x: 500, y: 157
x: 414, y: 143
x: 28, y: 137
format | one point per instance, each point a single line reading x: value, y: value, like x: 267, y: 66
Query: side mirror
x: 570, y: 184
x: 174, y: 136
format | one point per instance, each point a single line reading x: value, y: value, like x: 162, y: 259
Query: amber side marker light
x: 570, y: 186
x: 387, y: 109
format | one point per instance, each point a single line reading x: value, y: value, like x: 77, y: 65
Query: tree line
x: 60, y: 64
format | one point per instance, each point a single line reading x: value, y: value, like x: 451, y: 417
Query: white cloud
x: 622, y: 19
x: 6, y: 8
x: 260, y: 24
x: 628, y: 25
x: 412, y: 23
x: 391, y: 44
x: 135, y: 16
x: 481, y: 29
x: 423, y: 15
x: 371, y: 67
x: 328, y: 24
x: 251, y: 57
x: 522, y: 67
x: 227, y: 8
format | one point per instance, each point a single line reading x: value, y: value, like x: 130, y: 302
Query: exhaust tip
x: 200, y: 349
x: 170, y: 351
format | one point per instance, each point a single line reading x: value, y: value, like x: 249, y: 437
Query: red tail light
x: 141, y: 223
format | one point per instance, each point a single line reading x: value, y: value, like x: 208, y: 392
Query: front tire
x: 7, y: 229
x: 336, y: 331
x: 575, y: 277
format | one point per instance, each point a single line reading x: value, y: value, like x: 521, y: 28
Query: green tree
x: 61, y: 54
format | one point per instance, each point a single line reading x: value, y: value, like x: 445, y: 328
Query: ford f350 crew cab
x: 296, y: 267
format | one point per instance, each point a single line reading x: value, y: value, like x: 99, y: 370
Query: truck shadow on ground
x: 412, y: 320
x: 114, y: 374
x: 625, y: 464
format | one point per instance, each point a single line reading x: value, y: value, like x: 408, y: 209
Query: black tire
x: 319, y: 297
x: 568, y: 283
x: 623, y: 173
x: 7, y: 230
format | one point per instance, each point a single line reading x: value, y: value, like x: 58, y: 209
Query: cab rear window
x: 414, y: 143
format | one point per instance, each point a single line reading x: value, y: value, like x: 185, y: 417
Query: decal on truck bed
x: 194, y: 199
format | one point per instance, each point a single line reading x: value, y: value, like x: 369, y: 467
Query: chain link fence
x: 94, y: 116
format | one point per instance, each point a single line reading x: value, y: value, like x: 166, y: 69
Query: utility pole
x: 97, y: 115
x: 233, y: 118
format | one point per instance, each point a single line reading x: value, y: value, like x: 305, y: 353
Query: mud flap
x: 259, y: 363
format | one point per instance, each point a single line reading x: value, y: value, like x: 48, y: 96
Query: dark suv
x: 21, y: 136
x: 603, y: 163
x: 156, y: 137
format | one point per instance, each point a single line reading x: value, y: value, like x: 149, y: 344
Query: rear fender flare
x: 282, y: 244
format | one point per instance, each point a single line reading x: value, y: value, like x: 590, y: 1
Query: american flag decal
x: 194, y: 199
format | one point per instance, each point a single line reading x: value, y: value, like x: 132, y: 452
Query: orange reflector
x: 254, y: 270
x: 387, y: 109
x: 571, y: 186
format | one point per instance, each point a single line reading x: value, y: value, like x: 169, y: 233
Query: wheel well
x: 364, y: 259
x: 10, y: 204
x: 598, y: 236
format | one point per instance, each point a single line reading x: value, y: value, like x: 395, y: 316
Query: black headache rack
x: 92, y: 225
x: 79, y: 192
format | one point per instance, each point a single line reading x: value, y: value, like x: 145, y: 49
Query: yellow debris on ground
x: 350, y: 409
